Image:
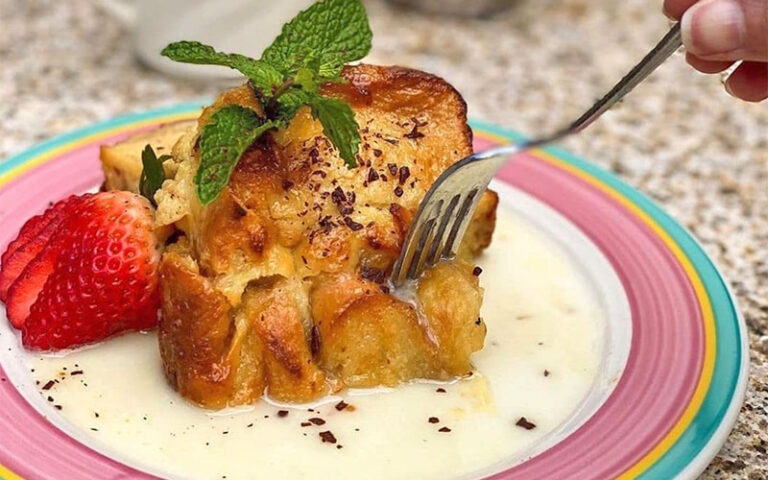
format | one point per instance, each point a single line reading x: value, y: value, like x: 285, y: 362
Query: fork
x: 447, y: 208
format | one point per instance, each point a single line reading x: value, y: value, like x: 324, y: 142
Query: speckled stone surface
x: 679, y: 137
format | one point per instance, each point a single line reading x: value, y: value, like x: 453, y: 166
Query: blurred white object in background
x: 233, y: 26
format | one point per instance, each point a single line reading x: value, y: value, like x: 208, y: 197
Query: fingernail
x: 713, y: 26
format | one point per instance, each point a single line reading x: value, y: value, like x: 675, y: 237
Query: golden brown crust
x: 297, y: 245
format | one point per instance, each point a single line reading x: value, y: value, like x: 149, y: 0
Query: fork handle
x: 662, y: 51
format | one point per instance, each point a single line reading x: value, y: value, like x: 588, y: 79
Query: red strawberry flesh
x: 32, y: 238
x: 104, y: 278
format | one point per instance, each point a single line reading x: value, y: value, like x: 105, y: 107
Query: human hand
x: 717, y: 33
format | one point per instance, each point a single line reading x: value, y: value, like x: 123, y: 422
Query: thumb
x: 727, y: 30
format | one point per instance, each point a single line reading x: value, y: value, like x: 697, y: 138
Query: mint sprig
x: 339, y: 125
x: 328, y: 34
x: 311, y: 50
x: 224, y: 139
x: 152, y: 173
x: 262, y: 74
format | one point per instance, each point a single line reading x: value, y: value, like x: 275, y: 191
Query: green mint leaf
x: 339, y: 126
x: 291, y: 101
x: 231, y: 130
x: 328, y: 34
x: 264, y: 76
x: 152, y: 173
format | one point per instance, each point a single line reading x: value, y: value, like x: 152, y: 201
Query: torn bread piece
x: 121, y: 162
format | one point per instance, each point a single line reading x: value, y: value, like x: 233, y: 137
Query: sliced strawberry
x: 103, y: 280
x: 24, y: 291
x: 33, y: 237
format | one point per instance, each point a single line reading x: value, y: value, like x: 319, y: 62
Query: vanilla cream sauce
x: 541, y: 356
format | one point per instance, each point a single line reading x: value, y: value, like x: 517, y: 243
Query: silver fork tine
x: 438, y: 247
x: 462, y: 222
x: 425, y: 245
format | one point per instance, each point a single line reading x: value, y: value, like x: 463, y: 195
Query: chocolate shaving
x: 414, y: 133
x: 434, y: 420
x: 49, y: 384
x: 317, y: 421
x: 282, y: 413
x: 372, y: 175
x: 398, y: 191
x: 372, y: 274
x: 444, y: 430
x: 546, y: 373
x: 404, y: 174
x: 306, y: 424
x: 524, y: 423
x: 353, y: 225
x: 392, y: 169
x: 440, y: 390
x: 477, y: 271
x: 76, y: 372
x: 314, y: 341
x: 377, y: 152
x: 327, y: 437
x: 341, y: 405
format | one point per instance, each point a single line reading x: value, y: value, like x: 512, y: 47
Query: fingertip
x: 749, y: 82
x: 713, y: 27
x: 706, y: 66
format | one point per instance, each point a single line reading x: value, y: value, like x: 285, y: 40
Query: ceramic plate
x: 675, y: 365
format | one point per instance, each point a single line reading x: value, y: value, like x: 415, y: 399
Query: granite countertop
x: 680, y: 138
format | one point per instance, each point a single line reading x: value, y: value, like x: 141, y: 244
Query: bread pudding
x: 279, y: 285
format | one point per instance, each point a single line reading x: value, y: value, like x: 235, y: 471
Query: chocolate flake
x: 479, y: 321
x: 58, y: 407
x: 76, y: 372
x: 414, y: 133
x: 444, y: 430
x: 398, y: 191
x: 524, y: 423
x: 404, y: 174
x: 327, y: 437
x: 372, y: 274
x: 377, y: 152
x: 49, y: 384
x: 314, y: 341
x: 440, y: 390
x: 477, y: 271
x: 392, y: 169
x: 546, y: 373
x: 282, y: 413
x: 317, y: 421
x: 341, y: 405
x: 306, y: 424
x: 372, y: 175
x: 353, y: 225
x: 434, y: 420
